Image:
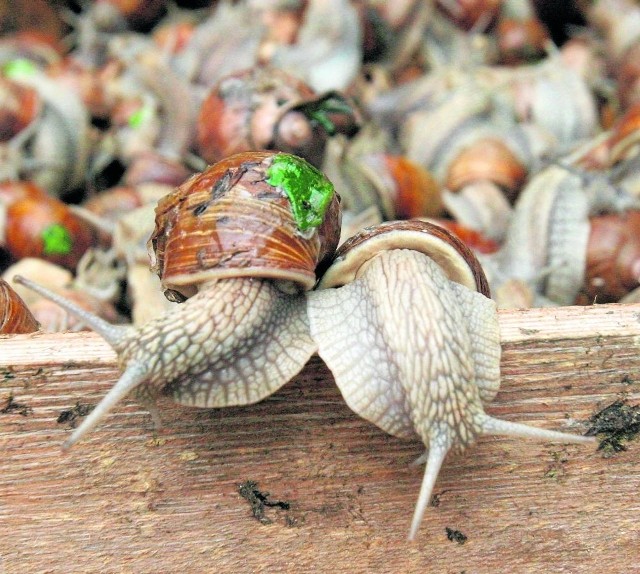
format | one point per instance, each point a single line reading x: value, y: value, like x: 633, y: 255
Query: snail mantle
x: 133, y: 499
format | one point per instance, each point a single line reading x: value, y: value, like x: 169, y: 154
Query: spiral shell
x: 613, y: 256
x: 44, y: 227
x: 15, y: 316
x: 456, y: 260
x: 405, y: 189
x: 240, y: 219
x: 487, y: 159
x: 242, y: 111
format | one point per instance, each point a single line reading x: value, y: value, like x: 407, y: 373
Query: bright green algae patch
x: 19, y: 67
x: 140, y: 116
x: 56, y: 240
x: 308, y: 190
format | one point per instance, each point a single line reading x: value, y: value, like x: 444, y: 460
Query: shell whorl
x: 15, y: 316
x: 456, y: 260
x: 237, y: 220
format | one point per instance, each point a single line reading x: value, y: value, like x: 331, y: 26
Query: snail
x: 377, y: 184
x: 151, y: 116
x: 56, y: 152
x: 612, y: 267
x: 100, y: 21
x: 51, y: 317
x: 403, y: 320
x: 19, y: 106
x: 210, y: 52
x: 15, y: 316
x: 241, y: 241
x: 264, y: 108
x: 33, y: 224
x: 552, y: 250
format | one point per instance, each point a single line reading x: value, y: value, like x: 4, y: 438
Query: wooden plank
x: 129, y: 499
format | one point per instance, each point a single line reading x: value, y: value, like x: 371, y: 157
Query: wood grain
x: 129, y: 499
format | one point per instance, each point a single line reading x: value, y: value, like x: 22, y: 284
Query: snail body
x: 243, y: 330
x: 425, y: 374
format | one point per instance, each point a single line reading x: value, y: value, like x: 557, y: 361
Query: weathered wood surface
x: 131, y: 500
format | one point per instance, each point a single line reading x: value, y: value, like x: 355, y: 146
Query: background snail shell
x: 19, y: 107
x: 242, y: 110
x: 420, y: 351
x: 15, y: 316
x: 61, y: 142
x: 613, y: 256
x: 267, y: 108
x: 245, y: 332
x: 45, y: 227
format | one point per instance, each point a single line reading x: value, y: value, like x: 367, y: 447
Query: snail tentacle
x: 115, y: 335
x: 134, y: 375
x: 438, y: 450
x: 492, y: 426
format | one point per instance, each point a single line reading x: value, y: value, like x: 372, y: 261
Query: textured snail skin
x: 233, y: 343
x: 416, y: 354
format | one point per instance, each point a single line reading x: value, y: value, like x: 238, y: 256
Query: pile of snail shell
x: 214, y: 205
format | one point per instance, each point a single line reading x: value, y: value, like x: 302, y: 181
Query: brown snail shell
x: 406, y: 189
x: 45, y: 227
x: 15, y: 316
x: 267, y: 108
x: 629, y: 76
x: 151, y: 167
x: 625, y: 135
x: 228, y: 222
x: 122, y: 199
x: 613, y: 257
x: 241, y: 111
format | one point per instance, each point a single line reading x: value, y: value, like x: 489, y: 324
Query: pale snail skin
x: 245, y: 332
x: 410, y: 372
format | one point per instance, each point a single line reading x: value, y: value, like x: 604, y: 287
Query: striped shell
x: 15, y: 316
x: 229, y: 221
x: 243, y: 110
x: 487, y: 159
x: 454, y: 257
